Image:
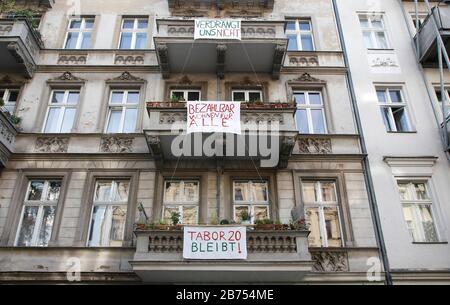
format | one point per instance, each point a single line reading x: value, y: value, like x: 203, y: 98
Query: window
x: 79, y: 33
x: 374, y: 32
x: 61, y: 111
x: 133, y: 34
x: 416, y: 204
x: 247, y: 95
x: 421, y: 18
x: 38, y: 213
x: 109, y: 212
x: 182, y: 197
x: 186, y: 95
x: 10, y: 97
x: 300, y: 36
x: 123, y: 111
x: 393, y: 110
x: 310, y: 115
x: 322, y: 213
x: 440, y: 98
x: 252, y: 197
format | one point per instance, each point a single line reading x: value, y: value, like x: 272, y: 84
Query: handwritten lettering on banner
x: 222, y: 117
x: 215, y: 243
x: 217, y: 29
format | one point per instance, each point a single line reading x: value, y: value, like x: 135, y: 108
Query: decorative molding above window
x: 126, y: 77
x: 411, y: 166
x: 67, y: 77
x: 72, y: 59
x: 306, y: 78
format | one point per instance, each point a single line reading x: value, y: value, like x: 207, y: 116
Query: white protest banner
x: 215, y: 242
x: 203, y: 116
x: 217, y: 29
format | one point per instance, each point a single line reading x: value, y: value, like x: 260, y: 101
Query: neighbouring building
x: 398, y: 93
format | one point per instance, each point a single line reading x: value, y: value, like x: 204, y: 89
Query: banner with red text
x: 215, y: 242
x: 217, y: 29
x: 222, y: 117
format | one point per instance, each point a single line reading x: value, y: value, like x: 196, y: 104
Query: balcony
x: 7, y: 136
x: 19, y: 47
x: 273, y: 257
x: 265, y: 4
x: 427, y: 36
x: 261, y: 50
x: 167, y: 119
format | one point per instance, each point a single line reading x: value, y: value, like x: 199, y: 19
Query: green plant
x: 214, y: 220
x: 174, y: 99
x: 245, y: 216
x: 15, y: 119
x: 267, y: 221
x: 2, y: 102
x: 162, y: 222
x: 259, y: 222
x: 6, y: 5
x: 175, y: 217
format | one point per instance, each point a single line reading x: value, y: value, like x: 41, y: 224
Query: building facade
x: 92, y: 91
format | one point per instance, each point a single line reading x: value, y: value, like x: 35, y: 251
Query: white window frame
x: 184, y: 202
x: 6, y: 96
x: 247, y: 94
x: 37, y: 203
x: 320, y: 205
x: 418, y: 202
x: 251, y: 204
x: 123, y: 106
x: 63, y: 107
x: 81, y: 31
x: 373, y: 30
x: 109, y: 204
x: 134, y: 31
x: 298, y: 32
x: 186, y: 93
x: 309, y: 107
x: 422, y: 17
x: 389, y: 104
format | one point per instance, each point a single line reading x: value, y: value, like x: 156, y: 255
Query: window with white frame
x: 109, y: 211
x: 441, y: 97
x: 251, y: 197
x: 9, y: 97
x: 134, y: 33
x: 393, y: 109
x: 123, y: 111
x: 322, y: 213
x: 38, y: 213
x: 310, y: 114
x: 181, y: 196
x: 61, y: 111
x: 417, y: 210
x: 421, y: 18
x: 79, y: 33
x: 247, y: 95
x: 374, y: 31
x: 186, y: 95
x: 300, y: 35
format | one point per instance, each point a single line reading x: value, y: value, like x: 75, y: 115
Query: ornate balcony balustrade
x: 7, y: 137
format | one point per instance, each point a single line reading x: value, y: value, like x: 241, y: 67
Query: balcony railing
x: 266, y: 4
x: 7, y: 137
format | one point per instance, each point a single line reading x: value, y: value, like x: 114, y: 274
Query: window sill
x: 381, y: 50
x: 430, y: 243
x: 401, y: 132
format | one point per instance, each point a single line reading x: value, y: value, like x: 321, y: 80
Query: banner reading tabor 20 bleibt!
x: 215, y: 242
x: 217, y: 29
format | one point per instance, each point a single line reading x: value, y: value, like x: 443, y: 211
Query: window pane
x: 364, y: 22
x: 191, y: 191
x: 125, y: 41
x: 238, y: 210
x: 190, y: 215
x: 333, y: 232
x: 400, y: 119
x: 89, y: 23
x: 86, y: 42
x: 309, y: 192
x: 302, y: 121
x: 114, y: 121
x: 305, y: 26
x: 75, y: 24
x: 328, y: 192
x: 318, y: 121
x: 178, y: 95
x: 396, y: 96
x: 133, y: 98
x: 54, y: 190
x: 377, y: 24
x: 142, y: 24
x: 259, y: 192
x: 69, y: 117
x: 403, y: 190
x: 385, y: 112
x: 313, y: 223
x: 51, y: 125
x: 438, y: 95
x: 128, y: 24
x: 58, y: 97
x: 238, y: 96
x: 129, y: 124
x: 254, y: 97
x: 27, y: 226
x: 292, y: 43
x: 368, y: 39
x: 381, y: 94
x: 428, y: 224
x: 261, y: 212
x: 36, y: 189
x: 307, y: 43
x: 98, y: 232
x: 421, y: 191
x: 314, y: 99
x: 119, y: 214
x: 13, y: 95
x: 103, y: 191
x: 381, y: 39
x: 141, y: 41
x: 173, y: 192
x: 121, y: 193
x: 73, y: 97
x: 193, y: 96
x: 408, y: 213
x: 45, y: 231
x: 300, y: 98
x: 290, y: 26
x: 117, y: 97
x: 241, y: 191
x: 72, y: 39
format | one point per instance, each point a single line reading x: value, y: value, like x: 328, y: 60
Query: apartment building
x: 92, y: 90
x: 392, y: 47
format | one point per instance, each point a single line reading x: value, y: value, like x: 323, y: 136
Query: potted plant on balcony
x: 175, y: 217
x: 161, y: 225
x: 298, y: 225
x: 264, y: 224
x: 246, y: 218
x: 278, y: 225
x: 2, y: 102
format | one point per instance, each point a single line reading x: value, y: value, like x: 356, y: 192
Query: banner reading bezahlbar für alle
x: 217, y: 29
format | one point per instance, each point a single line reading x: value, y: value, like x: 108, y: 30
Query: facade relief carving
x: 52, y: 144
x: 314, y: 146
x: 115, y: 144
x: 330, y: 261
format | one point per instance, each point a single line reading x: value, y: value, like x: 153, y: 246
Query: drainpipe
x: 367, y: 173
x: 218, y: 166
